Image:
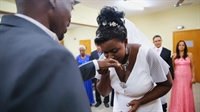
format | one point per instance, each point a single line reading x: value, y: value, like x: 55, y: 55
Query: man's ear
x: 53, y: 3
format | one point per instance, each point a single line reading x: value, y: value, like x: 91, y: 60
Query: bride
x: 145, y: 76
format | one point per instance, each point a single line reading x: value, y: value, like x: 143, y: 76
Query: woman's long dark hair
x: 178, y: 51
x: 111, y: 25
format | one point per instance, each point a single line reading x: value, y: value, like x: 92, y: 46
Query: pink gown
x: 182, y: 99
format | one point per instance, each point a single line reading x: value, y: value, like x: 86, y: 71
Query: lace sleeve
x: 158, y: 67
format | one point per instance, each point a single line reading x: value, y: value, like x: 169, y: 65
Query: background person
x: 182, y: 99
x: 81, y: 59
x: 166, y: 55
x: 95, y: 55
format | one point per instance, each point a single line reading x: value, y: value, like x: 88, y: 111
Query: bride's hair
x: 111, y: 25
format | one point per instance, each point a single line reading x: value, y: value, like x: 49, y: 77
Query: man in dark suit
x: 166, y: 55
x: 95, y: 55
x: 37, y: 73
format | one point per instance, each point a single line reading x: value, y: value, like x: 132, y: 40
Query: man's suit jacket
x: 94, y: 55
x: 166, y: 55
x: 37, y: 74
x: 88, y: 69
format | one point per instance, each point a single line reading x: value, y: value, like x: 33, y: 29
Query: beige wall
x: 78, y: 16
x: 72, y: 37
x: 7, y: 6
x: 164, y: 23
x: 84, y: 15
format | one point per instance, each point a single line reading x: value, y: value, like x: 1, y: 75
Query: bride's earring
x: 126, y: 50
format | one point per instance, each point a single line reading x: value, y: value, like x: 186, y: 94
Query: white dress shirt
x: 158, y: 50
x: 96, y: 64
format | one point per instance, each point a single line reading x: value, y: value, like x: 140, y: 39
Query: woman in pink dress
x: 182, y: 99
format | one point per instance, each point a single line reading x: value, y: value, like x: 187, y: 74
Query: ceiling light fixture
x: 77, y: 2
x: 177, y: 4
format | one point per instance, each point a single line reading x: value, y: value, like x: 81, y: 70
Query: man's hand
x: 106, y: 63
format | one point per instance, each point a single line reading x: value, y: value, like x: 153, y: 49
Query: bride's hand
x: 134, y: 105
x: 104, y: 71
x: 108, y: 62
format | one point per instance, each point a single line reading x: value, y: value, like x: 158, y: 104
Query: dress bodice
x: 139, y: 81
x: 148, y: 69
x: 182, y: 64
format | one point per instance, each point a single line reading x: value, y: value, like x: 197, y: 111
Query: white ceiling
x: 150, y: 6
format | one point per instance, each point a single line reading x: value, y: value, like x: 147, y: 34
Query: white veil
x: 134, y: 35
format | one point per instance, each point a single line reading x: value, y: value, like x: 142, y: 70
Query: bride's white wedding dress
x: 149, y: 68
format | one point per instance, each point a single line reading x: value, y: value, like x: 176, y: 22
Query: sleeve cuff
x: 96, y: 64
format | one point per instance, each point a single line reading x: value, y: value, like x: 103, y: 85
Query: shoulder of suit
x: 166, y: 49
x: 92, y: 52
x: 50, y: 55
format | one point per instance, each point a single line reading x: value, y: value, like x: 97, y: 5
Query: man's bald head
x: 24, y: 6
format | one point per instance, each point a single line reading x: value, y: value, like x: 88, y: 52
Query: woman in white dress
x: 145, y: 76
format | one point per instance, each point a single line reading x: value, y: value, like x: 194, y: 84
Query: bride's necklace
x: 124, y: 66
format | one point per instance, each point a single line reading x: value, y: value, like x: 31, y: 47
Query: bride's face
x: 114, y: 49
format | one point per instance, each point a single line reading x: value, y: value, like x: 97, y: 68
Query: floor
x: 196, y: 89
